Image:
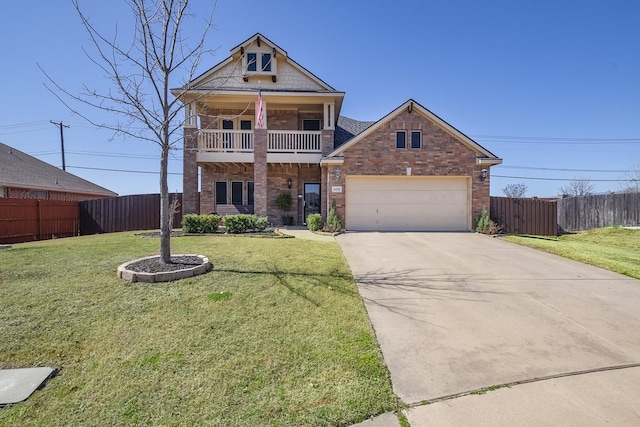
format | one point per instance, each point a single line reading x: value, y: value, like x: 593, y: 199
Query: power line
x: 569, y: 170
x: 122, y: 170
x: 560, y: 179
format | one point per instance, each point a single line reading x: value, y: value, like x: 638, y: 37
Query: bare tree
x: 631, y: 180
x: 142, y: 72
x: 515, y: 190
x: 578, y: 187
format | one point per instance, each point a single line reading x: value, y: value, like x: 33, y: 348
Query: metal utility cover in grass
x: 17, y: 385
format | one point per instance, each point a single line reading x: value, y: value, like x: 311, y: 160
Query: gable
x: 258, y: 62
x: 229, y: 76
x: 410, y: 115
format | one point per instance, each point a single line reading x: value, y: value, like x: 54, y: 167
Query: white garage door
x: 407, y: 203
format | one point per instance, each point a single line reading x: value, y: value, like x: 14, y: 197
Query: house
x: 259, y: 124
x: 25, y: 177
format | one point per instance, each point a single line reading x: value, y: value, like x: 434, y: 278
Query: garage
x: 407, y: 203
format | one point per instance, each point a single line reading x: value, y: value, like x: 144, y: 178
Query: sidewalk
x: 301, y: 232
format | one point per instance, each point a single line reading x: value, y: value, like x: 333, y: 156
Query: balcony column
x: 260, y: 146
x: 328, y: 128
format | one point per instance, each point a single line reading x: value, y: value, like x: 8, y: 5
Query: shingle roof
x: 348, y: 128
x: 21, y: 170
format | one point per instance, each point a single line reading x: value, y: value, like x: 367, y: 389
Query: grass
x: 276, y: 334
x: 614, y: 248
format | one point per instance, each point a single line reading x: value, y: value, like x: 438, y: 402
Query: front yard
x: 614, y: 248
x: 276, y: 334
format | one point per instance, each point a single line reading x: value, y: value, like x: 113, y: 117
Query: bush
x: 334, y: 223
x: 313, y: 221
x: 192, y: 223
x: 243, y: 223
x: 485, y: 225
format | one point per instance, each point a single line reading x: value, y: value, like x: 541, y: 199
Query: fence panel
x: 125, y: 213
x: 25, y: 220
x: 602, y: 210
x: 525, y: 216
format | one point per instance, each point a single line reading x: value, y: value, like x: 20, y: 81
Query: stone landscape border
x: 163, y: 276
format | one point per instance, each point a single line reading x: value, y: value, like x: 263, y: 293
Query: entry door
x: 311, y: 199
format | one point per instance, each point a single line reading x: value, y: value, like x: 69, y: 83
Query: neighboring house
x: 25, y: 177
x: 259, y: 124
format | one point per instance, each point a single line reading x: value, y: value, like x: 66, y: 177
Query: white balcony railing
x: 286, y: 141
x: 229, y: 141
x: 215, y: 145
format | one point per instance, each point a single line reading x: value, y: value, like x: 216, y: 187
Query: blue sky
x: 551, y: 87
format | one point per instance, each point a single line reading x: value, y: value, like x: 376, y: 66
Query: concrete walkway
x: 458, y: 312
x: 300, y: 232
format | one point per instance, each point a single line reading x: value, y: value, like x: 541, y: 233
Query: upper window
x: 311, y: 124
x: 416, y: 139
x: 260, y: 62
x: 401, y: 139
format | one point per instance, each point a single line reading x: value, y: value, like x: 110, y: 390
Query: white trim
x: 332, y: 161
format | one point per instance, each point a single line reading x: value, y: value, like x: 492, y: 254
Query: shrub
x: 485, y: 225
x: 284, y: 202
x: 192, y: 223
x: 334, y: 223
x: 313, y: 221
x: 243, y: 223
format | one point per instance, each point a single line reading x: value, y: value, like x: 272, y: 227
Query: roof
x: 348, y: 128
x: 483, y: 155
x: 21, y: 170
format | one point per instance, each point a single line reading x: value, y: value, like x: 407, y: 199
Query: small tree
x: 333, y: 222
x: 631, y: 180
x: 515, y: 190
x: 578, y: 187
x: 142, y: 71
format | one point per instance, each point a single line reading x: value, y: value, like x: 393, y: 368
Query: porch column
x: 190, y: 171
x: 260, y: 172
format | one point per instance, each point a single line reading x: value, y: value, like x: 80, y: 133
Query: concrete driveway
x: 457, y: 312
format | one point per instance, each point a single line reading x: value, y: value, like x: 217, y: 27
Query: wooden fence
x: 603, y: 210
x: 125, y: 213
x: 525, y: 216
x: 25, y: 220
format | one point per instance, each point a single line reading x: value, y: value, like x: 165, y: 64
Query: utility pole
x: 61, y: 126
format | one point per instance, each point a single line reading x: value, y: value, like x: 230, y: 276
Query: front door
x: 311, y: 200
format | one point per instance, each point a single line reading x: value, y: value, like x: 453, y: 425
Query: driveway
x: 457, y: 312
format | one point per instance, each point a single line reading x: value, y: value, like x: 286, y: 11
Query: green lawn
x: 275, y: 335
x: 614, y: 248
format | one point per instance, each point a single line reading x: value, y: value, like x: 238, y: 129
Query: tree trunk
x: 165, y: 219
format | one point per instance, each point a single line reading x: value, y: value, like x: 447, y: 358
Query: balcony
x: 230, y: 146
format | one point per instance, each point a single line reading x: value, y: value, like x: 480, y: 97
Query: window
x: 250, y: 193
x: 252, y: 62
x: 221, y: 193
x: 260, y: 62
x: 416, y: 139
x: 266, y: 62
x: 236, y: 193
x: 401, y: 139
x: 38, y: 194
x: 311, y: 124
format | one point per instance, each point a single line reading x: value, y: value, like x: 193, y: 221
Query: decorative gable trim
x: 412, y: 106
x: 241, y: 49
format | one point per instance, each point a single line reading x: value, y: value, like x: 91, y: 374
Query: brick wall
x: 440, y: 155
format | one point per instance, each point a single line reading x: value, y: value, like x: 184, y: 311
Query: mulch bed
x: 155, y: 265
